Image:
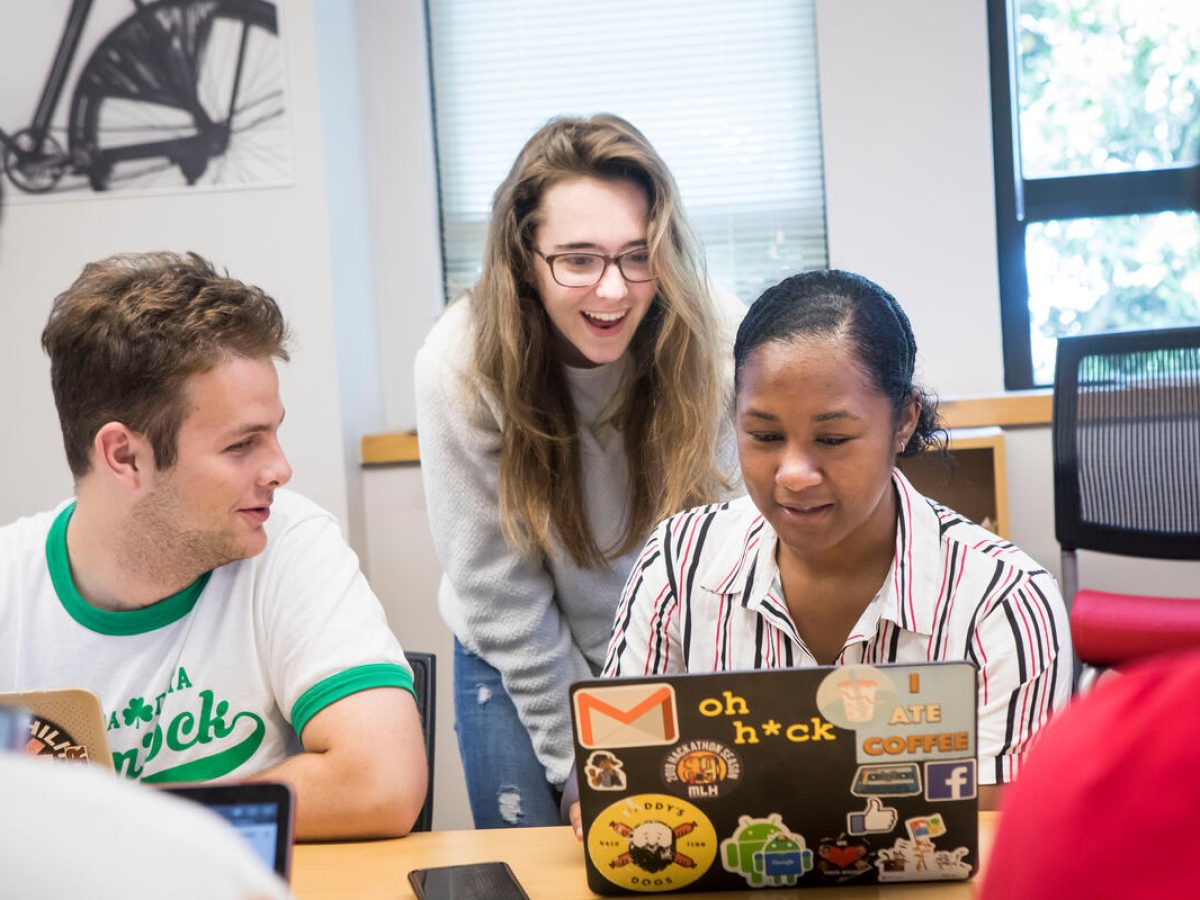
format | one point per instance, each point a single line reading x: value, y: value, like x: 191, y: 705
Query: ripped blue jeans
x: 506, y: 784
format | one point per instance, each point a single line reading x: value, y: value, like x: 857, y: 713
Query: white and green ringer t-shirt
x: 219, y: 679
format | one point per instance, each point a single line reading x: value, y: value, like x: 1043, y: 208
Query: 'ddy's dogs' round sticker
x: 652, y: 842
x: 701, y: 769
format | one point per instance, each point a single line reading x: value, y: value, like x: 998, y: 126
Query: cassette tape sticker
x: 897, y: 780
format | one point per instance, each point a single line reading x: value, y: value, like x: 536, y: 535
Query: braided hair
x: 835, y: 303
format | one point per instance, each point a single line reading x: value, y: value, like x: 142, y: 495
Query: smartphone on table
x: 475, y: 881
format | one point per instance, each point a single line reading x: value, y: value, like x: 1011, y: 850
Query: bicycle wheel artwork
x: 180, y: 94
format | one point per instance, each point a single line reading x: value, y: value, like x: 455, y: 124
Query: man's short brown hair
x: 126, y: 336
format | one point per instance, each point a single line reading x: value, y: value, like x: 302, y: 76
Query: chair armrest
x: 1108, y: 629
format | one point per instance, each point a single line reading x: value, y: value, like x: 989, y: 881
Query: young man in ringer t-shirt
x: 222, y: 621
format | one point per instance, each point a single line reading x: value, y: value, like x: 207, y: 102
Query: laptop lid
x: 260, y: 811
x: 778, y: 778
x: 66, y: 724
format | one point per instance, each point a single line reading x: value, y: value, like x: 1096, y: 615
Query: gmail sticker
x: 626, y: 715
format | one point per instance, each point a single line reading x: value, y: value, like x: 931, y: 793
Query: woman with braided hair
x: 833, y: 557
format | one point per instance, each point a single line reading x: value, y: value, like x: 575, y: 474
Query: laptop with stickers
x: 778, y: 778
x: 66, y: 724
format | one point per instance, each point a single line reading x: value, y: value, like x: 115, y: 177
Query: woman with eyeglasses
x: 576, y: 396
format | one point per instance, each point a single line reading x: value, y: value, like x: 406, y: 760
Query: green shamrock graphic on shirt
x: 225, y: 738
x: 137, y: 711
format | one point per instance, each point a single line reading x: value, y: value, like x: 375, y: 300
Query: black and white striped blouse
x: 705, y: 595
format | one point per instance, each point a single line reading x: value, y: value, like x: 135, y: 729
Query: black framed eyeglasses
x: 582, y: 268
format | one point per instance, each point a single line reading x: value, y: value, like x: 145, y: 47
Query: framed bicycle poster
x: 130, y: 95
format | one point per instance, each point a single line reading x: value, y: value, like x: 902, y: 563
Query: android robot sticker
x: 765, y: 852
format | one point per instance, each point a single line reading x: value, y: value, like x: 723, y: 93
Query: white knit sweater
x: 542, y: 623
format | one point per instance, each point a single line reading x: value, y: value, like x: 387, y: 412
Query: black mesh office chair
x: 1127, y: 481
x: 424, y: 669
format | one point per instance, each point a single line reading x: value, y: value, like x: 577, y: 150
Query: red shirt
x: 1108, y: 802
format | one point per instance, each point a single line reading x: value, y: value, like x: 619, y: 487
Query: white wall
x: 906, y: 122
x: 405, y: 245
x: 276, y: 238
x: 405, y: 229
x: 348, y: 197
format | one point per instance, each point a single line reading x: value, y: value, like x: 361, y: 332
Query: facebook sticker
x: 950, y: 780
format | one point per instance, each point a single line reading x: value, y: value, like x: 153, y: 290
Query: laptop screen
x: 261, y: 812
x: 257, y: 823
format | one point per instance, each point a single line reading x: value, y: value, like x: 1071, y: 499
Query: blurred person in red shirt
x: 1112, y: 776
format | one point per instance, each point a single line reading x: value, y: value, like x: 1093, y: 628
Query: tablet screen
x: 260, y: 811
x: 257, y: 823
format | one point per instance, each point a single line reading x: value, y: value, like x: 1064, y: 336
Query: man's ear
x: 122, y: 454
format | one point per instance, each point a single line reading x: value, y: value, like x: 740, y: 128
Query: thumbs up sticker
x: 875, y: 819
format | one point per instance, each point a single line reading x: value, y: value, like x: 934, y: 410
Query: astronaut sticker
x: 766, y: 852
x: 652, y: 842
x: 920, y: 860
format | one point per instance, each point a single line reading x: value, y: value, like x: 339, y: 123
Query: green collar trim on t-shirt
x: 103, y: 621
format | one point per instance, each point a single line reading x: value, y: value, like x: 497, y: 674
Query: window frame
x: 1021, y: 201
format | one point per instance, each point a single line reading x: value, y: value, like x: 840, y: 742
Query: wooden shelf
x: 1013, y: 408
x: 973, y: 481
x: 387, y: 449
x: 1016, y: 408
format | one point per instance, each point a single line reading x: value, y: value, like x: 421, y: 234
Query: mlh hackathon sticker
x: 701, y: 769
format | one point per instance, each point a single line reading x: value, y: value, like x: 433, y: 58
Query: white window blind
x: 725, y: 90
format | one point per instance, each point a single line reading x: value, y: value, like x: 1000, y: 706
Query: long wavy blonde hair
x: 675, y: 394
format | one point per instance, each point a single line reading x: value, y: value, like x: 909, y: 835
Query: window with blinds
x: 725, y: 91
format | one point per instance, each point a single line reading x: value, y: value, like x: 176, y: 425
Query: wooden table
x: 547, y: 861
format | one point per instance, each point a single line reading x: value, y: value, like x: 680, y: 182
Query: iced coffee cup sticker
x: 856, y: 697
